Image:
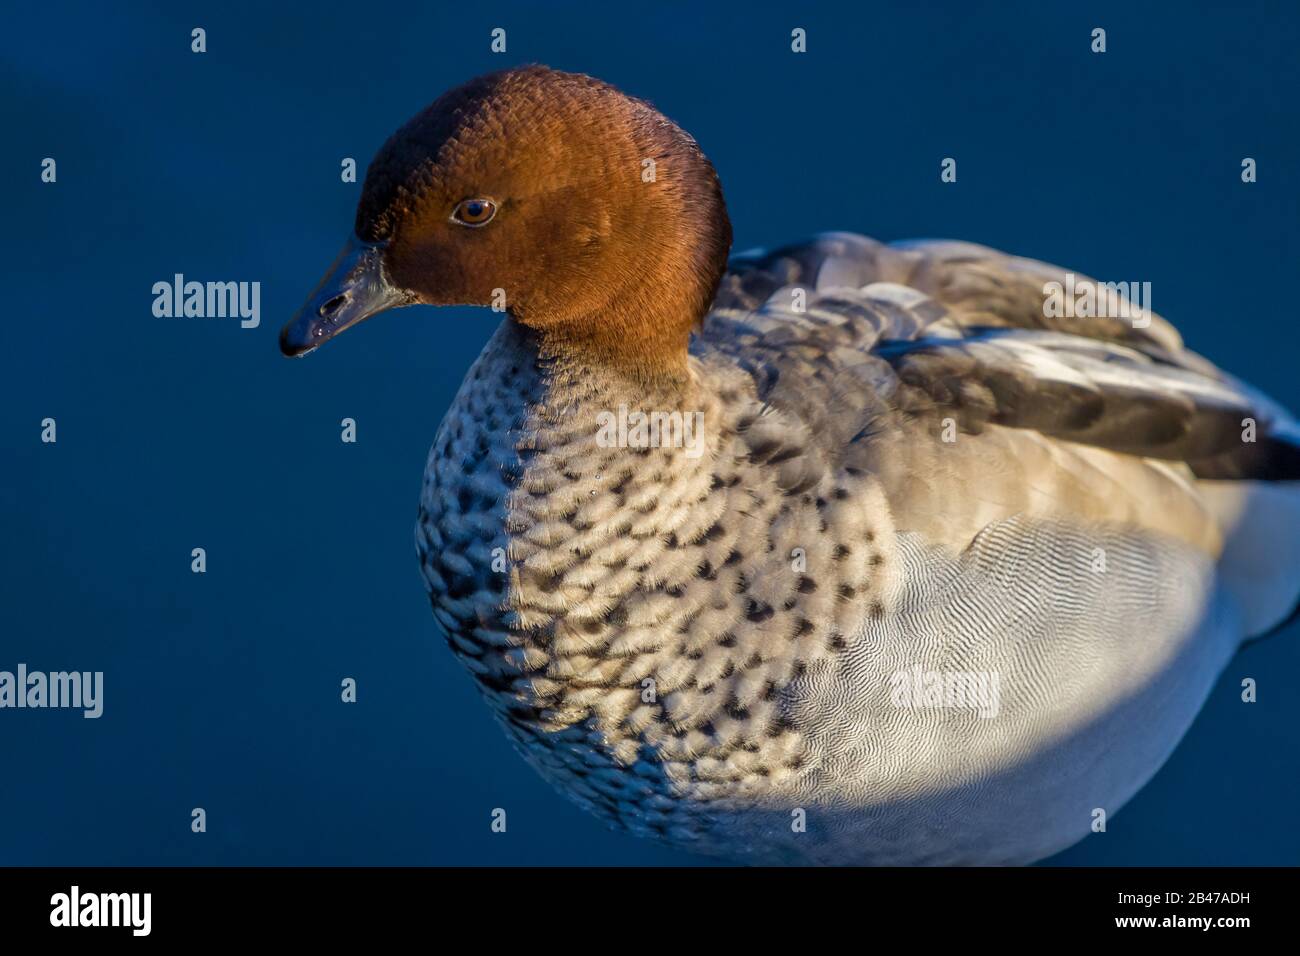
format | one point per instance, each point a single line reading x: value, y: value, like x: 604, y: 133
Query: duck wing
x: 964, y: 331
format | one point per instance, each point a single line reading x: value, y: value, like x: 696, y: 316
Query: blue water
x: 222, y: 689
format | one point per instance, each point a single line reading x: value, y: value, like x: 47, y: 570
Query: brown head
x: 584, y: 212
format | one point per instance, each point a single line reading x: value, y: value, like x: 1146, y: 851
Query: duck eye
x: 474, y: 212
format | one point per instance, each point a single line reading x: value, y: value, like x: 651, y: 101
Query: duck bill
x: 354, y: 289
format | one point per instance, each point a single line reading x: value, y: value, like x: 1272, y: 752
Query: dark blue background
x: 222, y: 690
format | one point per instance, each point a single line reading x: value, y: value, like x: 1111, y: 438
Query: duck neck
x: 635, y: 362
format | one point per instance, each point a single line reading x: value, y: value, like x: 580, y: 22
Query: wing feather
x: 932, y: 328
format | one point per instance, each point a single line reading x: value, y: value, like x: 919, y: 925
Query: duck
x: 939, y: 576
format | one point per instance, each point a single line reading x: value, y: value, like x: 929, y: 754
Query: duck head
x: 584, y: 213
